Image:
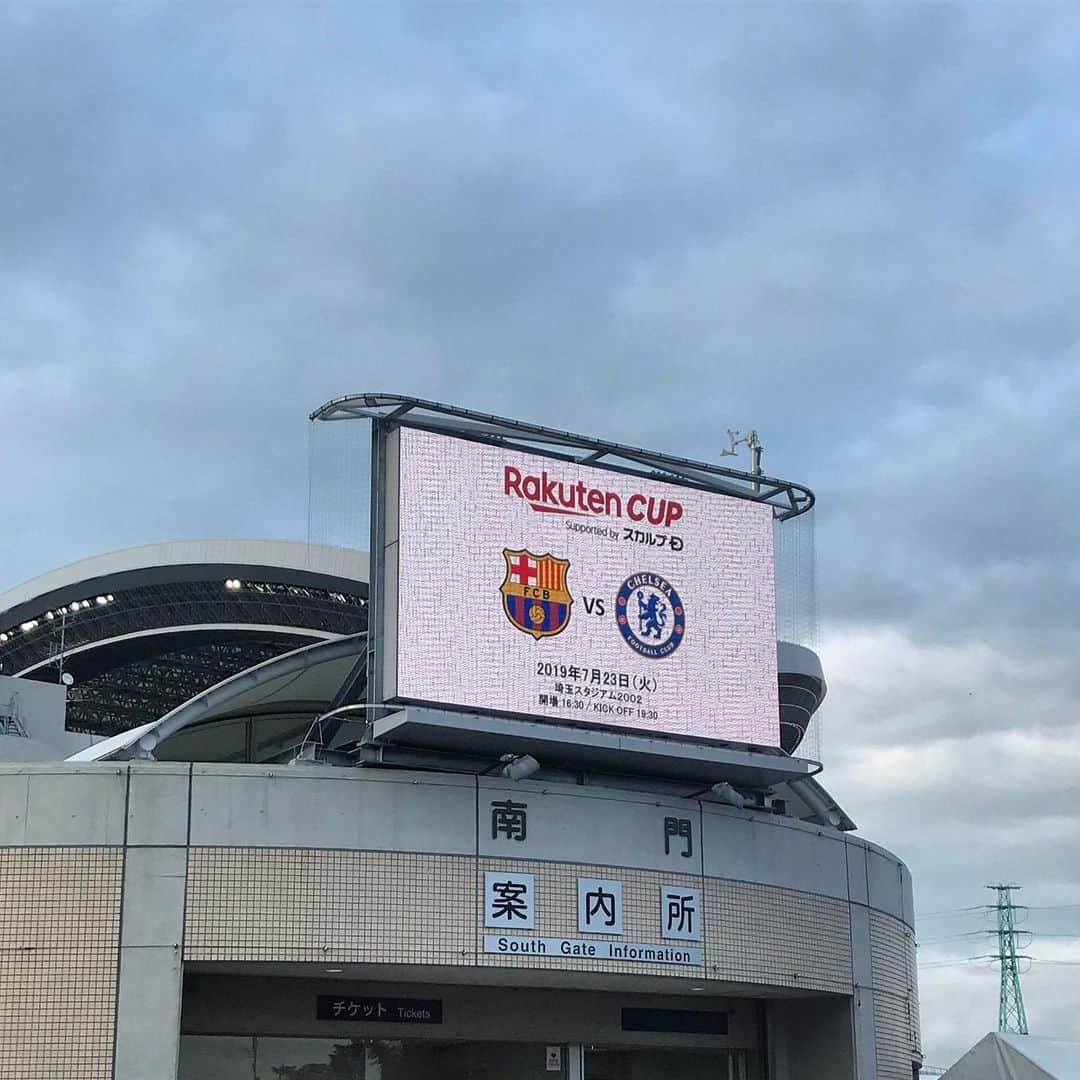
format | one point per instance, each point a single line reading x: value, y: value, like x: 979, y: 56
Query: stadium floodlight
x: 30, y: 624
x: 102, y: 601
x: 3, y: 638
x: 520, y: 767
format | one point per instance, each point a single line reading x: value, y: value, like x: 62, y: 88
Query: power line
x: 988, y: 960
x: 953, y: 937
x: 993, y: 907
x: 950, y: 911
x: 1012, y: 1015
x: 952, y: 963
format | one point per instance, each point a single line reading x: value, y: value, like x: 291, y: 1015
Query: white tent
x: 1018, y: 1057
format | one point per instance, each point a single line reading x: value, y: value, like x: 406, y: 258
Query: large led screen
x: 524, y: 584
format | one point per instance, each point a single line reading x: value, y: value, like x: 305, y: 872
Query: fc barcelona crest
x: 535, y: 597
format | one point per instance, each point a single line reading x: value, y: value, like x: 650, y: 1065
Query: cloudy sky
x: 854, y: 228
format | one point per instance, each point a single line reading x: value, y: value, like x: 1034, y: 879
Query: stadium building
x: 239, y: 840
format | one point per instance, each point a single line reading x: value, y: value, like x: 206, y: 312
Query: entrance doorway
x: 214, y: 1057
x: 649, y: 1063
x: 217, y: 1057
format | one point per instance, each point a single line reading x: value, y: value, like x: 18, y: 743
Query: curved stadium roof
x: 145, y: 629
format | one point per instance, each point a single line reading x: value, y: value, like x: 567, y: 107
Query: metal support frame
x: 787, y: 499
x: 1012, y: 1016
x: 388, y: 413
x: 376, y: 562
x: 10, y: 724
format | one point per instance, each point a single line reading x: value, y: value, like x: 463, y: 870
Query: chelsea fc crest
x: 650, y: 615
x: 534, y: 593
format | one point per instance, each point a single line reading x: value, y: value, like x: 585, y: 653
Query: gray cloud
x: 852, y: 226
x: 970, y: 787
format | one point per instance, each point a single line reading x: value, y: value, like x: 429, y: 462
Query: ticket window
x: 259, y: 1058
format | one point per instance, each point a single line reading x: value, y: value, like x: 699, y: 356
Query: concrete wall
x: 233, y: 865
x: 41, y: 708
x: 810, y: 1039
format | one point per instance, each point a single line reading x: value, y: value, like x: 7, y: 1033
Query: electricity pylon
x: 1011, y: 1014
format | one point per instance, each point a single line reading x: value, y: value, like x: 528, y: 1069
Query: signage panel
x: 528, y: 585
x: 600, y: 906
x: 636, y: 952
x: 510, y: 900
x: 678, y: 1021
x: 680, y: 912
x: 379, y: 1010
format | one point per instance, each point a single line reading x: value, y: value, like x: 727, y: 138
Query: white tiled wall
x: 59, y: 940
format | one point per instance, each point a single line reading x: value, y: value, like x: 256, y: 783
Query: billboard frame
x: 787, y: 498
x: 389, y: 412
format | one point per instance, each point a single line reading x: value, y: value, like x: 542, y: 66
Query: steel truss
x: 184, y: 603
x: 135, y: 693
x: 787, y: 499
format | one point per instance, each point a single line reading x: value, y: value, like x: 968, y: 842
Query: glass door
x: 207, y: 1057
x: 663, y: 1063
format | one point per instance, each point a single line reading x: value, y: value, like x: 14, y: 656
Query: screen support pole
x: 376, y: 597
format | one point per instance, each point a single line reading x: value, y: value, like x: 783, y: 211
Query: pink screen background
x: 456, y: 645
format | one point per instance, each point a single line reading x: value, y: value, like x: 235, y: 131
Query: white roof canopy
x: 1000, y: 1056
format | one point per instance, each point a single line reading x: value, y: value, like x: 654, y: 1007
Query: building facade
x: 200, y: 896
